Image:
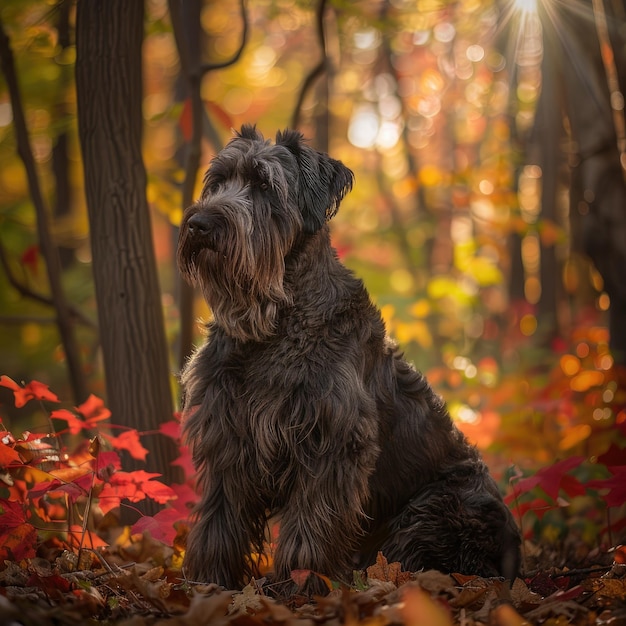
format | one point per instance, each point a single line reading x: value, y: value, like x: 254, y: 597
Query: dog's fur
x: 298, y: 406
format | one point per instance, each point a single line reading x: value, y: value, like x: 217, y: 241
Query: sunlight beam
x: 525, y: 7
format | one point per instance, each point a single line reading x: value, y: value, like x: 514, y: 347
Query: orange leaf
x: 421, y: 610
x: 77, y: 537
x: 300, y: 576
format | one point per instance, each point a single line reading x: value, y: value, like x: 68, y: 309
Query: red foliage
x: 48, y: 485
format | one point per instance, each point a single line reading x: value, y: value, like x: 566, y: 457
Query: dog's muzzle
x: 202, y: 231
x: 198, y: 226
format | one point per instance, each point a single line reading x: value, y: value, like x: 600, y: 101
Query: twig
x: 48, y: 248
x: 318, y: 70
x: 584, y: 571
x: 218, y: 65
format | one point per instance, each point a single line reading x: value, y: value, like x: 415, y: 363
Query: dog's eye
x: 263, y: 186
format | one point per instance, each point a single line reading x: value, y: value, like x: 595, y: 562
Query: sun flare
x: 526, y: 6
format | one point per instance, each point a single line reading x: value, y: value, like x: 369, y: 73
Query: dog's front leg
x: 322, y: 521
x: 222, y: 538
x: 318, y: 535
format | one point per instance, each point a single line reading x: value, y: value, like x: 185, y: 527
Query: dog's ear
x: 249, y: 131
x: 323, y: 181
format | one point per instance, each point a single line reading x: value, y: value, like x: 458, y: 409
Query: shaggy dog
x: 298, y: 405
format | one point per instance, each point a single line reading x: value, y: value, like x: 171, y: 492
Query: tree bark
x: 109, y: 37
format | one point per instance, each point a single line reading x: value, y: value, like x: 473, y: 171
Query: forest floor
x: 137, y: 585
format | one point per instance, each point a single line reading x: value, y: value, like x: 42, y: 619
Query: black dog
x: 299, y: 406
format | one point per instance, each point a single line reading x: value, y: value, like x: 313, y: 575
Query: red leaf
x: 572, y: 486
x: 185, y: 462
x: 186, y: 497
x: 158, y: 491
x: 74, y: 489
x: 93, y: 410
x: 34, y: 390
x: 9, y: 456
x: 18, y: 543
x: 133, y: 486
x: 551, y: 479
x: 161, y: 527
x: 171, y: 429
x: 9, y: 383
x: 220, y: 114
x: 300, y: 576
x: 30, y: 258
x: 614, y: 456
x: 74, y: 423
x: 129, y: 440
x: 106, y: 464
x: 12, y: 514
x: 616, y: 485
x: 53, y: 585
x: 538, y: 506
x: 184, y: 121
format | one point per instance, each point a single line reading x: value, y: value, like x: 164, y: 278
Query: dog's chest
x: 273, y: 401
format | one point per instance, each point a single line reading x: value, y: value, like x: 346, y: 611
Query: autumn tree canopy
x: 487, y: 218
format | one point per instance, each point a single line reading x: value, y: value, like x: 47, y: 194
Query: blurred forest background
x: 488, y: 219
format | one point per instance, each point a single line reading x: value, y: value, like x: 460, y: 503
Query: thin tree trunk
x: 48, y: 247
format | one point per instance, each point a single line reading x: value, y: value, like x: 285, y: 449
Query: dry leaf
x: 388, y: 572
x: 506, y: 615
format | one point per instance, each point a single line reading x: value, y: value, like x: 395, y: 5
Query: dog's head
x: 259, y: 200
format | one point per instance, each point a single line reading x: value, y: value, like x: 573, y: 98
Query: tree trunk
x: 548, y: 132
x: 109, y: 91
x: 598, y: 193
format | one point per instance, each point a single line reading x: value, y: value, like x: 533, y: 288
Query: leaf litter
x: 105, y: 587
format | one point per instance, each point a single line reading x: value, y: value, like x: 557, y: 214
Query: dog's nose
x: 198, y: 225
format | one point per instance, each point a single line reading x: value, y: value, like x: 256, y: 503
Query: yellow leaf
x: 430, y: 176
x: 421, y: 308
x: 574, y: 435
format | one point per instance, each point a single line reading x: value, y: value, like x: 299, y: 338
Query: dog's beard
x: 243, y: 284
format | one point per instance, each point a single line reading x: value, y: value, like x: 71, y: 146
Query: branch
x: 27, y: 292
x: 318, y: 70
x: 187, y: 34
x: 218, y: 65
x: 48, y: 249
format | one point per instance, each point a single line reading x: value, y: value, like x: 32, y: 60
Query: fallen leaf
x: 421, y: 610
x: 506, y: 615
x: 389, y: 572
